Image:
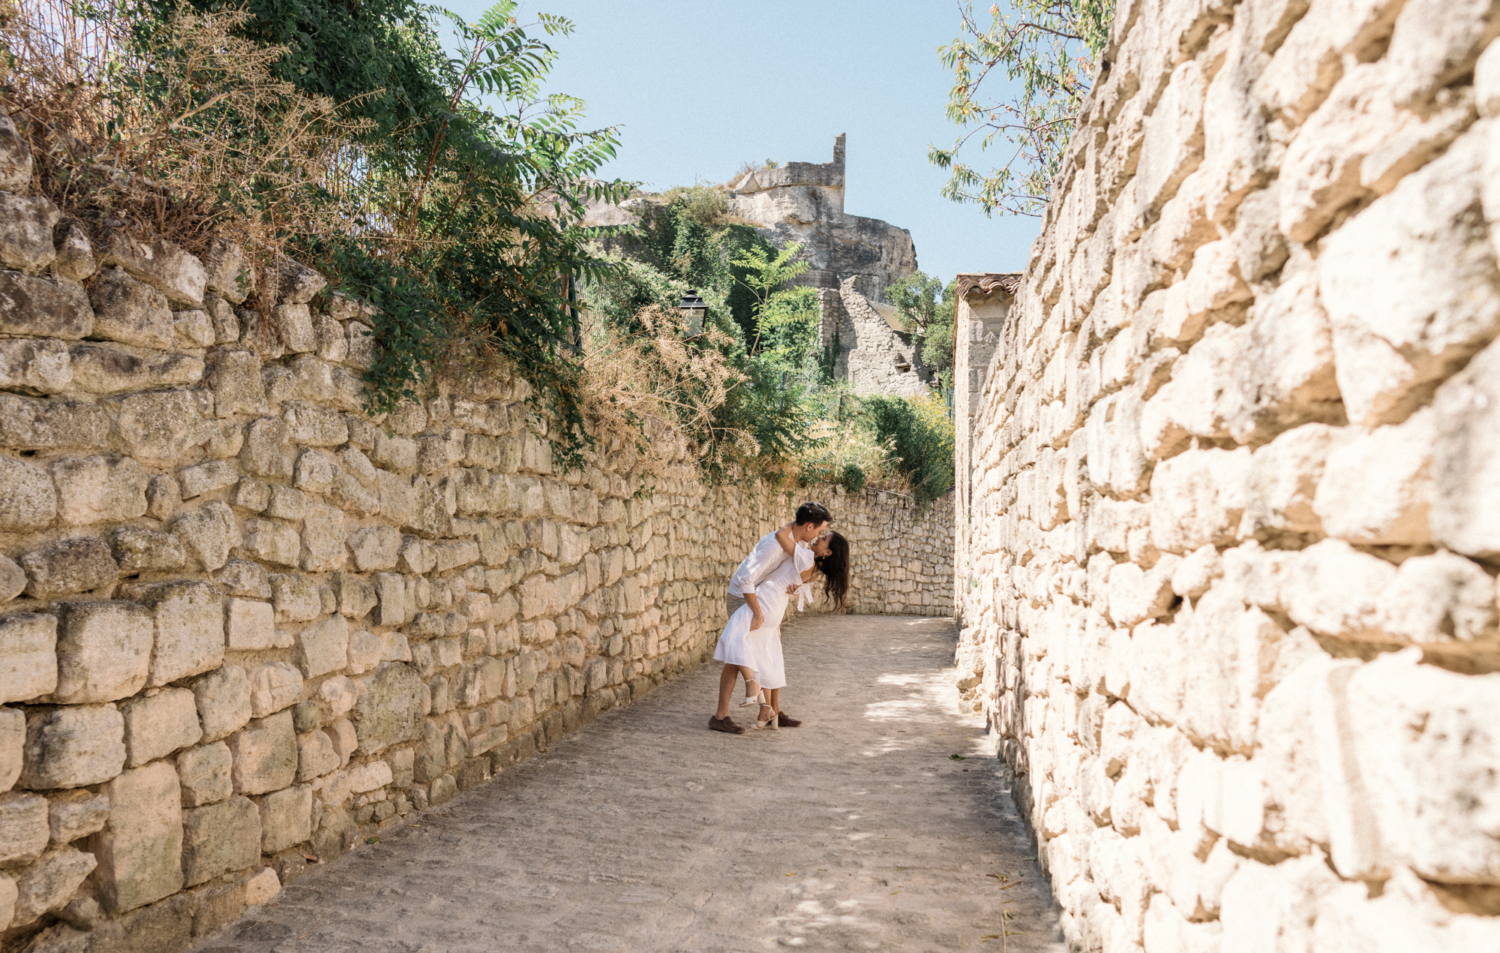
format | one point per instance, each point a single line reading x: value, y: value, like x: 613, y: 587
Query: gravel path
x: 646, y: 832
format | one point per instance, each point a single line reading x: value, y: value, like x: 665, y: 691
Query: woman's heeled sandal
x: 759, y: 698
x: 767, y: 723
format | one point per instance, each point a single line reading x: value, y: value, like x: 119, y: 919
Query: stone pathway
x: 645, y: 831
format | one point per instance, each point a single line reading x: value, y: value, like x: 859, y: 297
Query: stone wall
x: 1235, y: 516
x: 244, y: 626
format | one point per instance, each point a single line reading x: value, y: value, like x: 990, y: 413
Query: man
x: 811, y: 520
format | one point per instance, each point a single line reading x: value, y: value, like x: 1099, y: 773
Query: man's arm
x: 754, y: 604
x: 755, y: 567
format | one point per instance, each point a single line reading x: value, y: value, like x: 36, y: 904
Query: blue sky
x: 700, y: 86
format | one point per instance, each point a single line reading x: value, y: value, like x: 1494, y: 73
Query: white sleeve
x: 802, y: 558
x: 762, y: 559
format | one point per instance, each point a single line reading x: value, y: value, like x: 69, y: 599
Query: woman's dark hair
x: 835, y: 570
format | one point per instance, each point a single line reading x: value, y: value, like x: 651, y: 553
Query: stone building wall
x: 1235, y: 517
x: 244, y: 626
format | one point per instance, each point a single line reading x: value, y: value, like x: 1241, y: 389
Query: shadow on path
x: 646, y: 832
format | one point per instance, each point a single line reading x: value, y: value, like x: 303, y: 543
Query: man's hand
x: 792, y: 588
x: 755, y: 622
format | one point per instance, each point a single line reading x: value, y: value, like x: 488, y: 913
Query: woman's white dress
x: 760, y: 650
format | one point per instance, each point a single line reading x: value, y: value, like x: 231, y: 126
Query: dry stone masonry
x: 244, y: 626
x: 1229, y: 536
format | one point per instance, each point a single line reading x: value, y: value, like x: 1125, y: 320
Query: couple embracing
x: 782, y: 564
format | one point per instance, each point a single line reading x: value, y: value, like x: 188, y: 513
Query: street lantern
x: 693, y: 311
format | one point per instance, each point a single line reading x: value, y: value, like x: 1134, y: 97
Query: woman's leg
x: 773, y: 697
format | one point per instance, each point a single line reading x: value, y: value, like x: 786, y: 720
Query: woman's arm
x: 784, y: 537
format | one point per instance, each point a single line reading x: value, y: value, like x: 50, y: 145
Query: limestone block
x: 1199, y: 497
x: 206, y: 478
x: 27, y: 424
x: 398, y: 501
x: 12, y: 580
x: 267, y: 452
x: 72, y: 746
x: 28, y: 499
x: 12, y: 746
x: 390, y: 588
x: 417, y: 555
x: 160, y: 263
x: 1377, y: 487
x: 160, y: 427
x: 223, y: 699
x: 369, y: 777
x: 75, y: 254
x: 265, y: 755
x: 138, y: 549
x: 36, y: 365
x: 345, y: 739
x: 189, y: 630
x: 235, y: 377
x: 67, y: 566
x: 274, y: 686
x: 76, y: 814
x: 116, y: 368
x: 193, y: 329
x: 262, y: 887
x: 1287, y: 759
x: 157, y: 725
x: 1428, y: 787
x: 273, y: 541
x: 1283, y: 374
x: 365, y: 652
x: 219, y: 839
x: 43, y: 307
x: 374, y: 548
x: 316, y: 755
x: 389, y: 708
x: 205, y: 774
x: 1266, y: 908
x: 103, y: 651
x: 28, y: 656
x: 294, y: 321
x: 15, y: 159
x: 249, y: 625
x: 295, y: 598
x: 227, y: 272
x: 1465, y: 512
x: 356, y: 596
x: 333, y: 344
x: 1409, y: 287
x: 162, y: 497
x: 23, y: 828
x: 323, y: 647
x: 286, y: 818
x: 129, y: 311
x: 252, y: 495
x: 208, y: 535
x: 323, y: 538
x: 1335, y: 590
x: 295, y: 283
x: 1136, y: 594
x: 26, y: 232
x: 50, y: 883
x: 1357, y: 142
x: 1408, y: 915
x: 1438, y: 598
x: 140, y: 849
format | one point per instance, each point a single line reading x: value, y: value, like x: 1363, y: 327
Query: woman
x: 757, y: 654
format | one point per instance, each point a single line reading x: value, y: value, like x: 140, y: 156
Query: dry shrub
x: 175, y: 127
x: 659, y: 391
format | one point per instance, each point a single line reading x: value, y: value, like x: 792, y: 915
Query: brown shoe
x: 785, y: 722
x: 726, y: 725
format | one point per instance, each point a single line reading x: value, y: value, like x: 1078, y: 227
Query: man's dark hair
x: 813, y: 513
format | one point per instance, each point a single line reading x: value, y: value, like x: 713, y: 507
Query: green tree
x: 927, y: 306
x: 1048, y: 51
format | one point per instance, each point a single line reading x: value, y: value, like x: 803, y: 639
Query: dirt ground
x: 881, y: 824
